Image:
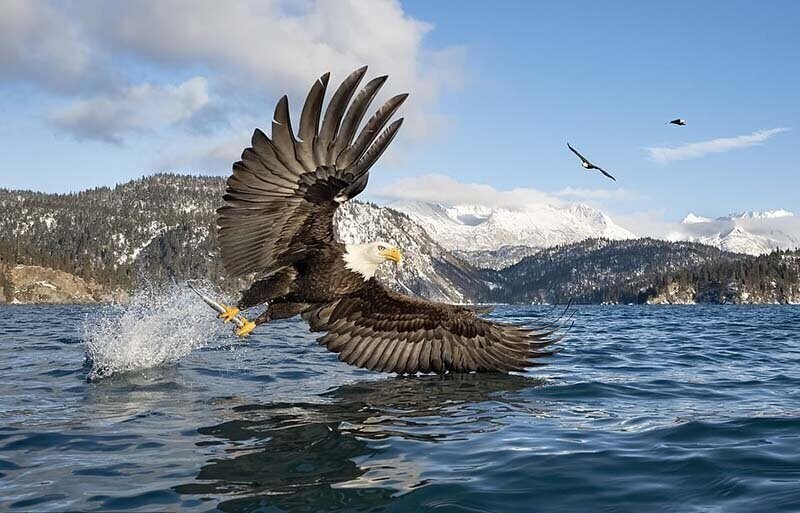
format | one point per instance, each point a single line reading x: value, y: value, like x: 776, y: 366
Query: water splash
x: 160, y: 325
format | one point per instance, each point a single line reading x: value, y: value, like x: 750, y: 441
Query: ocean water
x: 669, y: 409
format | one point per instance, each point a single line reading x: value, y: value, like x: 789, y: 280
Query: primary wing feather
x: 283, y: 193
x: 380, y: 329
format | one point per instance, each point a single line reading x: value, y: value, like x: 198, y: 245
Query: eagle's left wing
x: 283, y: 193
x: 382, y: 330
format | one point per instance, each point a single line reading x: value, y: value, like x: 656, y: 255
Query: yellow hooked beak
x: 392, y: 254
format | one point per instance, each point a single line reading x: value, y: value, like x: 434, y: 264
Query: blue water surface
x: 668, y: 409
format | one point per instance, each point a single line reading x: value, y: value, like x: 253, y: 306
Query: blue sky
x: 95, y: 93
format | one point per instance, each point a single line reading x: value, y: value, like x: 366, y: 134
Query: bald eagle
x: 277, y: 222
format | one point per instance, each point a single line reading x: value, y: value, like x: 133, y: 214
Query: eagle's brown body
x: 319, y: 278
x: 278, y: 222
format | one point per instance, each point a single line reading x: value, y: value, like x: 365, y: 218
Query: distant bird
x: 588, y: 165
x: 679, y: 122
x: 277, y: 221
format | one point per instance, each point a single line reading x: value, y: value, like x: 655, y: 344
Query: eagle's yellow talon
x: 229, y: 313
x: 246, y: 328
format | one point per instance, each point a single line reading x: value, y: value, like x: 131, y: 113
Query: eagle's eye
x: 381, y: 247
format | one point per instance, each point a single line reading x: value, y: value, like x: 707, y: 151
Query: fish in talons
x: 227, y: 313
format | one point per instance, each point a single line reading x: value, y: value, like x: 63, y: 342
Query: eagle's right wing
x: 605, y: 172
x: 282, y: 195
x: 382, y: 330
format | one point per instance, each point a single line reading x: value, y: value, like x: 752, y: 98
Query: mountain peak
x: 694, y: 219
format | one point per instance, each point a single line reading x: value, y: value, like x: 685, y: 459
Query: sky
x: 97, y: 93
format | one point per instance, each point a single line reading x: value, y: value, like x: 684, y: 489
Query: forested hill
x: 149, y: 228
x: 648, y: 271
x: 163, y: 226
x: 600, y: 270
x: 772, y: 278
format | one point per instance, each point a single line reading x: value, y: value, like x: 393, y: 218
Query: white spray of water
x: 159, y: 326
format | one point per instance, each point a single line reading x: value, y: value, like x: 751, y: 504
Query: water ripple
x: 646, y: 409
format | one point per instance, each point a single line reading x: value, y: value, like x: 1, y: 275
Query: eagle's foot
x: 229, y: 313
x: 246, y: 328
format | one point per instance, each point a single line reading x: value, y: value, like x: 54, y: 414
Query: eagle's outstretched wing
x: 605, y: 172
x: 382, y: 330
x: 282, y: 195
x: 573, y: 150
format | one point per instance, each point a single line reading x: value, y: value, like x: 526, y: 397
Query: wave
x: 159, y: 326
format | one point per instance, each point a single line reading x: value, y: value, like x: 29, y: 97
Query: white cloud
x: 40, y: 43
x: 250, y: 51
x: 204, y: 153
x: 665, y: 154
x: 277, y: 47
x: 436, y: 188
x: 651, y: 223
x: 133, y: 109
x: 598, y: 194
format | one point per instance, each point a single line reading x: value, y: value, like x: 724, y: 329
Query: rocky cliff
x: 33, y: 284
x: 675, y: 294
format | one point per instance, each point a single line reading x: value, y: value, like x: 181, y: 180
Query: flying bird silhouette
x: 588, y: 165
x: 678, y: 121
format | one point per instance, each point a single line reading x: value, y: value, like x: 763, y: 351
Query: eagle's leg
x: 264, y: 317
x: 277, y: 311
x: 229, y: 313
x: 268, y: 289
x: 272, y: 291
x: 246, y: 328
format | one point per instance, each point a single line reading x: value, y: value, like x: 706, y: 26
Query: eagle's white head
x: 364, y: 259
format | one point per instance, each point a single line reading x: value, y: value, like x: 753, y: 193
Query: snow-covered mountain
x: 752, y: 233
x: 475, y: 228
x: 163, y: 227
